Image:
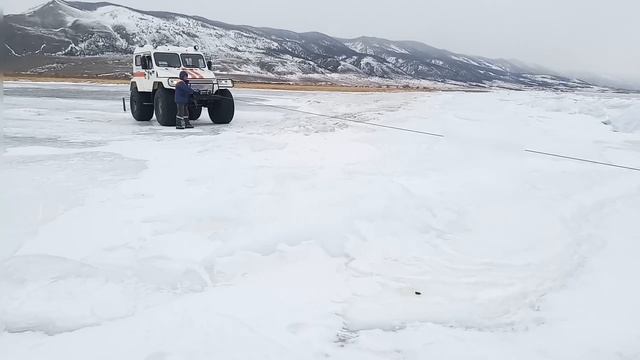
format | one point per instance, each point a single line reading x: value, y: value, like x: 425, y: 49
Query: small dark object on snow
x: 418, y: 293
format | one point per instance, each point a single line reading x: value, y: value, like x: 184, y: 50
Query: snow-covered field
x: 288, y: 236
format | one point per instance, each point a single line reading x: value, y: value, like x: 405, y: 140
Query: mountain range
x: 78, y: 30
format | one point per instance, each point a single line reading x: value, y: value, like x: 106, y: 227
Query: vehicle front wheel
x: 222, y: 108
x: 165, y: 106
x: 195, y: 112
x: 140, y: 105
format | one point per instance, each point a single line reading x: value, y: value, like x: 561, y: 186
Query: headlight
x: 173, y: 81
x: 225, y: 83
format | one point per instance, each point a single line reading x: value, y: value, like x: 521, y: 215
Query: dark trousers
x: 183, y: 114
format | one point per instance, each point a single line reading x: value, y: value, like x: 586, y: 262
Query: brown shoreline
x: 240, y: 84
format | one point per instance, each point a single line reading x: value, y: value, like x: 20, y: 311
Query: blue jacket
x: 183, y: 92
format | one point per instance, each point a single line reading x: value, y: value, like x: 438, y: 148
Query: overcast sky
x: 598, y: 36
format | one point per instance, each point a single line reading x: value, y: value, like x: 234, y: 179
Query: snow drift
x: 628, y: 121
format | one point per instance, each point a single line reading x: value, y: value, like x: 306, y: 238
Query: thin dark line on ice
x: 437, y: 135
x: 582, y: 160
x: 341, y: 118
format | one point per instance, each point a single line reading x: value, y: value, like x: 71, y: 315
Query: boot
x: 179, y: 124
x: 187, y: 124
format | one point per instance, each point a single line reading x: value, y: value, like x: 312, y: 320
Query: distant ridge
x: 60, y: 28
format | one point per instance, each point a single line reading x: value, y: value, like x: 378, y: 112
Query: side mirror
x: 210, y: 65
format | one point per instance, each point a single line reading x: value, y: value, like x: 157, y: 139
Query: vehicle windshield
x: 193, y: 61
x: 167, y: 60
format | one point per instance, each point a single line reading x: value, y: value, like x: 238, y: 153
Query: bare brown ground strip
x: 242, y: 85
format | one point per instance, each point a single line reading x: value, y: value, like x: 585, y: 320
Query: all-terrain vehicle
x: 155, y: 75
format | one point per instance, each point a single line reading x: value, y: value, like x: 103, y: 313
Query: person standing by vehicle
x: 183, y: 99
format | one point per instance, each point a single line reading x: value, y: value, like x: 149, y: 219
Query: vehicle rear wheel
x: 165, y: 106
x: 138, y: 103
x: 222, y: 108
x: 195, y: 112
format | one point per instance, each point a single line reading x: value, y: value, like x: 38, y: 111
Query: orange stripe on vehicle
x: 196, y: 74
x: 188, y: 71
x: 138, y: 74
x: 193, y: 73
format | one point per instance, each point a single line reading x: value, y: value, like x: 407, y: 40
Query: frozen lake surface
x: 289, y: 236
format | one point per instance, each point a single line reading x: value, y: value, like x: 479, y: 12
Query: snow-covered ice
x: 628, y: 120
x: 288, y: 236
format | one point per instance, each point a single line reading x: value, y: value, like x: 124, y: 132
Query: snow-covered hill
x: 78, y: 28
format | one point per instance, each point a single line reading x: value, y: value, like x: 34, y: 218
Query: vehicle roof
x: 166, y: 48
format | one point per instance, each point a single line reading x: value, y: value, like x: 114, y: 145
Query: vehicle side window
x: 138, y: 60
x: 149, y: 61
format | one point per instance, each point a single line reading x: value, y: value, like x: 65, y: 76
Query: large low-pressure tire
x: 140, y: 104
x: 222, y: 108
x: 195, y: 112
x: 165, y: 106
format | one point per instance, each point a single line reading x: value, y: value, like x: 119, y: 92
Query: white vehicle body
x: 156, y: 72
x: 166, y: 73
